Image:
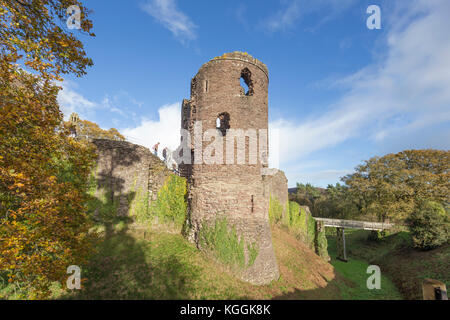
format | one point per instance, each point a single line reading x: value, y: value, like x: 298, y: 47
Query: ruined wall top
x: 239, y: 56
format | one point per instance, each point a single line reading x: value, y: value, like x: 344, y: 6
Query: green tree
x: 429, y: 226
x: 337, y: 202
x: 307, y: 195
x: 393, y: 186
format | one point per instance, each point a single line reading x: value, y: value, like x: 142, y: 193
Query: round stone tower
x: 227, y: 118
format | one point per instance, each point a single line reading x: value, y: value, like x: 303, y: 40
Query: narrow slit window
x: 223, y: 122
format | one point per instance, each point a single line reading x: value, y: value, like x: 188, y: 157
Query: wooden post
x: 434, y: 290
x: 340, y: 244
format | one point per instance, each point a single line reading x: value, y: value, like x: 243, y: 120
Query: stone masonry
x: 124, y: 169
x: 277, y: 188
x: 234, y: 191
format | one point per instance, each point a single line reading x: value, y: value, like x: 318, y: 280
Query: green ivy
x: 226, y: 245
x: 170, y: 205
x: 139, y: 205
x: 321, y: 243
x: 303, y: 226
x: 275, y: 210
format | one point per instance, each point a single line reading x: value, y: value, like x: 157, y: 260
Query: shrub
x: 376, y: 235
x: 429, y: 226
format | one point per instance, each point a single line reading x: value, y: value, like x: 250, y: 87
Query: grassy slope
x: 398, y: 260
x: 356, y: 269
x: 165, y: 266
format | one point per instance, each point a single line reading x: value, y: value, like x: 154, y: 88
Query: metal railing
x: 353, y: 224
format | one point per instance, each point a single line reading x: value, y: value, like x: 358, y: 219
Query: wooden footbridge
x: 341, y: 225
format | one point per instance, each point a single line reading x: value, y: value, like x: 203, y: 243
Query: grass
x: 162, y: 265
x: 398, y: 261
x: 355, y: 270
x: 154, y: 264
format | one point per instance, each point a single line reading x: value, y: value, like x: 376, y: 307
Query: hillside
x: 405, y: 266
x: 160, y: 264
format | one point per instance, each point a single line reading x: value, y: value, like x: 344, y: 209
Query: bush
x: 429, y: 226
x: 376, y: 235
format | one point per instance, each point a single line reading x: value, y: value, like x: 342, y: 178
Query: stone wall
x: 126, y: 171
x: 276, y: 186
x: 232, y: 191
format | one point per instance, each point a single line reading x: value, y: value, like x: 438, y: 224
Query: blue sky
x: 339, y: 93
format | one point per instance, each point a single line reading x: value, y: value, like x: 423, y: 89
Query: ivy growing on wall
x: 275, y: 210
x: 170, y: 205
x: 225, y: 244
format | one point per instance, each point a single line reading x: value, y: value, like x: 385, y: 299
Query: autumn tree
x: 87, y: 130
x: 43, y: 172
x: 393, y: 186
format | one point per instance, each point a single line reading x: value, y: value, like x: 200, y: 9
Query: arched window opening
x: 223, y: 122
x: 246, y: 82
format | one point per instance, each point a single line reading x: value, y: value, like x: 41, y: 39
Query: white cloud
x: 408, y: 91
x: 71, y: 101
x: 119, y: 104
x: 165, y: 130
x: 286, y: 18
x: 167, y: 13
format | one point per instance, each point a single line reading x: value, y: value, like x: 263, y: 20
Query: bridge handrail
x: 367, y: 225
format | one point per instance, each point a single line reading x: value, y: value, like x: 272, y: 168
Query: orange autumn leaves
x: 43, y: 173
x: 32, y: 33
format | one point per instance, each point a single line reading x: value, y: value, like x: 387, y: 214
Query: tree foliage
x: 429, y: 225
x: 43, y: 172
x: 332, y: 202
x: 393, y: 186
x: 337, y: 202
x: 34, y: 32
x: 307, y: 195
x: 87, y: 130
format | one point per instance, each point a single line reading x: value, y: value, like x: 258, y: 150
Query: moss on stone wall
x: 170, y: 205
x: 300, y: 223
x: 225, y: 244
x: 275, y: 210
x: 139, y: 205
x: 321, y: 243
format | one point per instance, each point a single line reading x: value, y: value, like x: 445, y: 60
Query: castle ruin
x: 237, y: 190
